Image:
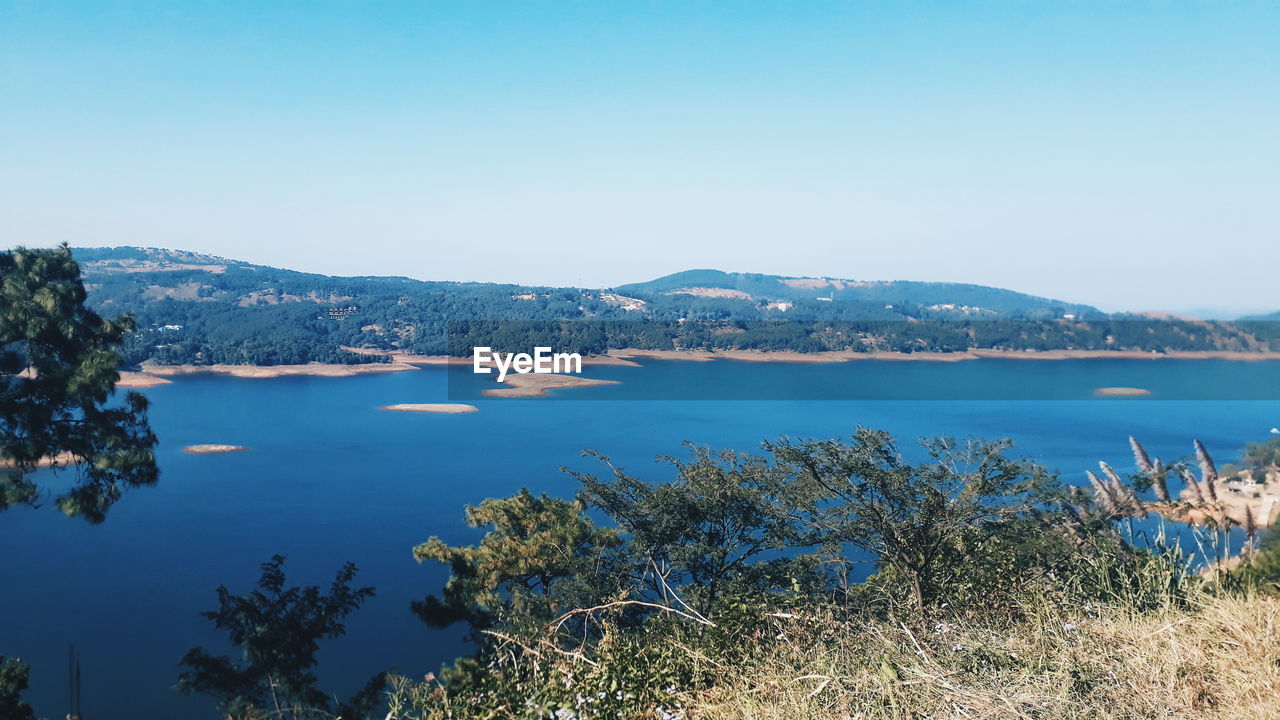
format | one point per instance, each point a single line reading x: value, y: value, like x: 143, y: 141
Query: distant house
x: 339, y: 313
x: 622, y: 301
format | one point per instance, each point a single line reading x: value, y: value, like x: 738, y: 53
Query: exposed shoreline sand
x: 1127, y: 355
x: 976, y: 354
x: 153, y: 374
x: 140, y: 380
x: 442, y: 408
x: 537, y: 385
x: 628, y: 356
x: 399, y: 356
x: 272, y: 371
x: 64, y: 459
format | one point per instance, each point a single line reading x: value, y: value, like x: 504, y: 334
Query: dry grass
x: 1220, y: 660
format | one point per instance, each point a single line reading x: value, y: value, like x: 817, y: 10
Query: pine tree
x: 58, y: 372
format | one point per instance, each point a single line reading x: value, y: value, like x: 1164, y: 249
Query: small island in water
x: 213, y: 449
x: 537, y: 385
x: 442, y: 408
x: 1122, y: 391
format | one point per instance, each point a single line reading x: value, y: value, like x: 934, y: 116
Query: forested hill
x: 976, y: 299
x: 196, y: 308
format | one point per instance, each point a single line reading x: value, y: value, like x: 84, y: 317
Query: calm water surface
x: 330, y: 479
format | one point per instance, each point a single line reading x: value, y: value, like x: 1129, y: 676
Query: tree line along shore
x: 151, y: 374
x: 195, y: 309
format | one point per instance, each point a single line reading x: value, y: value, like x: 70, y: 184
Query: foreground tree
x: 58, y: 363
x: 921, y: 520
x: 13, y: 681
x: 716, y: 567
x: 543, y: 556
x: 726, y: 522
x: 278, y: 630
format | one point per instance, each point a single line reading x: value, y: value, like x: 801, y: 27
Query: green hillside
x: 202, y: 309
x: 977, y: 298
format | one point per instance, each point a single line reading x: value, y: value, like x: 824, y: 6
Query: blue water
x: 330, y: 478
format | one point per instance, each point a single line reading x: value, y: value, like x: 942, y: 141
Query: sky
x: 1125, y: 155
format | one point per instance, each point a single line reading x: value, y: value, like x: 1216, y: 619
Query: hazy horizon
x: 1122, y: 156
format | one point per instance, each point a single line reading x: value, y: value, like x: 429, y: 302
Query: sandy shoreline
x: 537, y: 385
x: 977, y: 354
x: 399, y: 356
x: 1127, y: 355
x: 272, y: 371
x: 442, y: 408
x: 153, y: 374
x: 627, y: 356
x: 64, y: 459
x: 140, y: 380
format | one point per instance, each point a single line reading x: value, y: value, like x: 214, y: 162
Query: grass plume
x: 1208, y: 471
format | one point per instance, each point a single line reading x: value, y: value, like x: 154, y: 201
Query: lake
x: 330, y: 478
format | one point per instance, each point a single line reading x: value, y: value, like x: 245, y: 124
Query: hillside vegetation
x: 193, y: 308
x: 728, y: 592
x: 978, y: 299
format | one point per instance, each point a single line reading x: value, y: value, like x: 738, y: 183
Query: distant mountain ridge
x: 780, y: 287
x: 198, y: 308
x: 131, y: 259
x: 697, y: 283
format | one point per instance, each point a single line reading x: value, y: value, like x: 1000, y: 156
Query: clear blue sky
x: 1123, y: 154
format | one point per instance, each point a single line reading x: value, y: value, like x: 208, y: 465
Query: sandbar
x: 538, y: 384
x: 1122, y: 391
x: 212, y: 449
x: 442, y: 408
